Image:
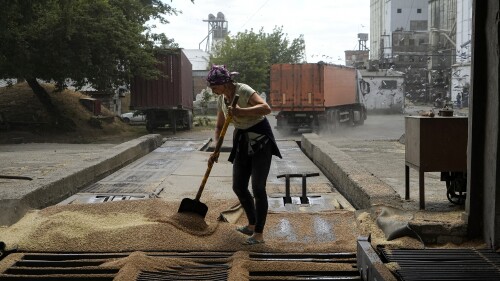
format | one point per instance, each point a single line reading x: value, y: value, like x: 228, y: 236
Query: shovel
x: 194, y: 205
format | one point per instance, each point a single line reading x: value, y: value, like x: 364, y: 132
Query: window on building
x: 396, y: 40
x: 389, y: 84
x: 421, y: 41
x: 411, y: 42
x: 400, y: 11
x: 419, y: 11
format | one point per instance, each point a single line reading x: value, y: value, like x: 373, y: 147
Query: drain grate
x: 87, y: 266
x: 304, y: 259
x: 59, y: 267
x: 89, y: 198
x: 444, y: 264
x: 117, y: 187
x: 192, y: 273
x: 304, y: 275
x: 209, y: 266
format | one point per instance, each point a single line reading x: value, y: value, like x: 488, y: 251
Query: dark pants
x: 257, y: 167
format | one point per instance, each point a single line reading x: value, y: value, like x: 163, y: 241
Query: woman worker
x: 253, y: 147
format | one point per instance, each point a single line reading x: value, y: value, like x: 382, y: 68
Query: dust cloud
x: 375, y: 127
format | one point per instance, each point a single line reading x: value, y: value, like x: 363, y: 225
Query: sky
x: 329, y: 26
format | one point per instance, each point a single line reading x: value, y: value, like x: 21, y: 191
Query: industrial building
x: 428, y: 40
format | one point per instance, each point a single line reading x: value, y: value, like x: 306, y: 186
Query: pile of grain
x: 190, y: 223
x: 155, y: 225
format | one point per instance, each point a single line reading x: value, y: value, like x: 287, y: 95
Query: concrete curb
x: 40, y: 194
x: 362, y: 189
x: 365, y: 191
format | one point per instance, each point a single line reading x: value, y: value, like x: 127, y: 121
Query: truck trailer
x: 316, y: 96
x: 168, y: 99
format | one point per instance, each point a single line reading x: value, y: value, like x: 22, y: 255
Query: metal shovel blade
x: 193, y: 206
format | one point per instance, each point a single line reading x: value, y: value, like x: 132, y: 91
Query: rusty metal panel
x: 311, y: 87
x: 340, y: 85
x: 173, y: 89
x: 297, y: 87
x: 435, y: 144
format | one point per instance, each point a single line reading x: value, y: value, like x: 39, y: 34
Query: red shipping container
x: 311, y: 87
x: 172, y: 90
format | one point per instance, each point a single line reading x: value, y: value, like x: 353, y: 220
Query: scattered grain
x: 386, y: 270
x: 392, y: 266
x: 239, y: 267
x: 132, y: 265
x: 9, y: 261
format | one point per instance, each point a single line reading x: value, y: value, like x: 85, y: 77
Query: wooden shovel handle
x: 217, y: 148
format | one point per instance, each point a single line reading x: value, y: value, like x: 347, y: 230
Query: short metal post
x: 288, y: 198
x: 304, y: 199
x: 407, y: 182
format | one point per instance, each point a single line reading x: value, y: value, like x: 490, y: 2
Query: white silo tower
x: 217, y: 30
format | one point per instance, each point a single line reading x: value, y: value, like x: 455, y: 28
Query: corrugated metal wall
x: 340, y: 85
x: 173, y: 89
x: 306, y: 87
x: 297, y: 87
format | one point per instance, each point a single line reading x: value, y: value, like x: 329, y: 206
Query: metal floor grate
x: 209, y: 266
x: 86, y: 266
x: 91, y: 198
x: 444, y: 264
x: 60, y: 267
x: 192, y: 273
x: 304, y: 258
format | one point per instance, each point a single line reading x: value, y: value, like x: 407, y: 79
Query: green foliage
x: 206, y: 96
x: 252, y: 54
x: 101, y: 42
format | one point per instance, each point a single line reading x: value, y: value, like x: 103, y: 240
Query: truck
x: 316, y: 96
x: 168, y: 99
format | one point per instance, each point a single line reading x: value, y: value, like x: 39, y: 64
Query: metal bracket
x: 304, y: 176
x: 370, y: 266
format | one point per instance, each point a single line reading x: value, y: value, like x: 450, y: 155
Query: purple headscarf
x: 219, y: 75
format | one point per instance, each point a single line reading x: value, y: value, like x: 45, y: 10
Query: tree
x: 101, y: 43
x: 252, y: 54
